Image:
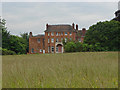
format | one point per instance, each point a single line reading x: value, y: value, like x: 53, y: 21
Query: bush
x: 7, y: 52
x: 70, y: 47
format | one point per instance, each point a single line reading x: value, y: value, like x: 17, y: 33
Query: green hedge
x: 7, y: 52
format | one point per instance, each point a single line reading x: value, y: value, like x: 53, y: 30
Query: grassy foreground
x: 68, y: 70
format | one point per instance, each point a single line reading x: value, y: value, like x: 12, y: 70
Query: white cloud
x: 26, y: 17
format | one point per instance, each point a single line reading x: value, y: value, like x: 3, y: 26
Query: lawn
x: 68, y: 70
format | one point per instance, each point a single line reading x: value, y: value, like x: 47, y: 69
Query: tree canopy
x: 106, y: 34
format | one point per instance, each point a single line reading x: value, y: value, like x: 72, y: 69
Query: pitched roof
x: 59, y: 28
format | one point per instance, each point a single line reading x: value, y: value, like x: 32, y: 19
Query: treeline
x: 103, y: 36
x: 12, y: 44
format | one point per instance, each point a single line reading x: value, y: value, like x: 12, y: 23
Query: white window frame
x: 56, y: 33
x: 65, y: 39
x: 70, y: 38
x: 79, y: 39
x: 52, y: 40
x: 61, y: 33
x: 56, y: 49
x: 48, y: 49
x: 52, y: 34
x: 66, y: 33
x: 61, y: 39
x: 70, y: 33
x: 40, y: 50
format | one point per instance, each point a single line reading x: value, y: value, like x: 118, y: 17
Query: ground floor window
x: 49, y: 49
x: 52, y: 49
x: 32, y: 50
x: 56, y: 49
x: 40, y: 50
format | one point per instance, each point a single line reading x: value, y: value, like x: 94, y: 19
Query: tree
x: 70, y: 47
x: 26, y: 37
x: 107, y: 34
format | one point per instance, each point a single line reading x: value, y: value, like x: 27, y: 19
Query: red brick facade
x: 51, y: 42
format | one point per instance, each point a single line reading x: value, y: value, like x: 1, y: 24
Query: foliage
x: 104, y: 36
x: 7, y: 52
x: 12, y: 43
x: 70, y: 47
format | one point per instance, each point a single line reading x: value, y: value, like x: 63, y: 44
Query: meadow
x: 67, y: 70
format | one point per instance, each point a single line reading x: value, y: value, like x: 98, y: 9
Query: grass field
x: 68, y: 70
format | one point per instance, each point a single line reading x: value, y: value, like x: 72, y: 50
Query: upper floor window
x: 70, y: 33
x: 70, y: 38
x: 52, y: 40
x: 56, y: 33
x: 38, y: 40
x: 61, y: 33
x: 48, y: 40
x: 48, y: 34
x: 65, y: 33
x: 52, y: 33
x: 56, y: 39
x: 65, y: 39
x: 61, y: 39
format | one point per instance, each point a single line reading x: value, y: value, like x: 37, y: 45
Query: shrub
x: 70, y: 47
x: 7, y: 52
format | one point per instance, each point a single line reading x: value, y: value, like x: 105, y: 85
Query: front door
x: 59, y: 48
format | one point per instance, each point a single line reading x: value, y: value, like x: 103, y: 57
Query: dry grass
x: 68, y: 70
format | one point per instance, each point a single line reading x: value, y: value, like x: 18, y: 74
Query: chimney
x: 30, y: 35
x: 83, y: 31
x: 73, y: 25
x: 76, y: 27
x: 46, y: 26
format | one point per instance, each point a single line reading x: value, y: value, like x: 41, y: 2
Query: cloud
x: 26, y: 17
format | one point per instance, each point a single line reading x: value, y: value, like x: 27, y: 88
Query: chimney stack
x: 46, y: 26
x: 76, y: 27
x: 73, y: 25
x: 30, y: 35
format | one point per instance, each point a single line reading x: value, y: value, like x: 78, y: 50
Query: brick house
x: 51, y: 42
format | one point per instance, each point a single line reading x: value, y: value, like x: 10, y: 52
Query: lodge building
x: 51, y: 42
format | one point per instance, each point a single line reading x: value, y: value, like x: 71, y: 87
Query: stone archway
x: 59, y: 47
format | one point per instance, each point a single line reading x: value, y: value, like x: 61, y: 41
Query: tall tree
x: 107, y: 34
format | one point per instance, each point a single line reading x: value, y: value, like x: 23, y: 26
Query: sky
x: 33, y: 16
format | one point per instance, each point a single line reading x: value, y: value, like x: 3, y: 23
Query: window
x: 52, y: 49
x: 52, y: 33
x: 48, y: 40
x: 32, y: 50
x: 61, y: 39
x: 40, y: 50
x: 65, y: 33
x: 70, y: 33
x: 79, y: 39
x: 61, y: 33
x: 52, y: 40
x: 70, y: 38
x: 56, y: 49
x: 65, y: 39
x: 56, y: 33
x: 38, y: 40
x: 48, y: 34
x: 56, y: 39
x: 49, y: 49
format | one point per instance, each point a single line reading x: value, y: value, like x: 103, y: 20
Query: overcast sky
x: 32, y: 16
